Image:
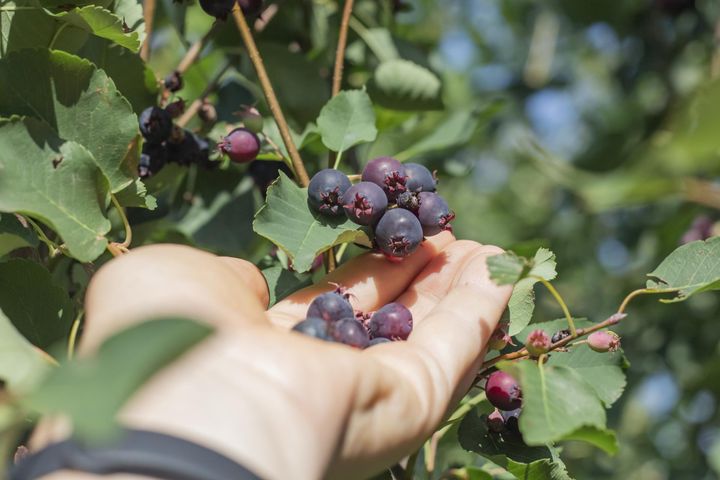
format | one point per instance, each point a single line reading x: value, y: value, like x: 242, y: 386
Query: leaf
x: 603, y: 439
x: 556, y: 402
x: 100, y: 22
x: 603, y: 371
x: 521, y: 305
x: 346, y: 120
x: 39, y: 308
x: 55, y: 182
x: 508, y: 268
x: 690, y: 269
x: 14, y: 235
x: 77, y: 101
x: 404, y: 85
x: 287, y: 221
x: 80, y: 388
x: 21, y: 364
x: 131, y: 12
x: 551, y: 469
x: 282, y: 282
x: 24, y: 24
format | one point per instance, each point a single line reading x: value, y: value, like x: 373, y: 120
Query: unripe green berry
x: 251, y: 119
x: 499, y: 338
x: 538, y: 342
x: 604, y: 341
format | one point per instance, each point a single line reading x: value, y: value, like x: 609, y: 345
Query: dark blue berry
x: 173, y: 82
x: 408, y: 201
x: 313, y: 327
x: 434, y: 213
x: 388, y: 174
x: 331, y: 307
x: 350, y: 332
x: 393, y: 321
x: 419, y: 178
x: 155, y: 124
x: 152, y: 159
x: 364, y: 203
x: 241, y: 145
x: 219, y: 9
x: 378, y: 341
x: 398, y: 233
x: 326, y: 191
x: 185, y: 150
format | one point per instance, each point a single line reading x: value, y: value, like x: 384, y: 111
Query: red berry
x: 538, y: 342
x: 604, y: 341
x: 503, y: 391
x: 241, y: 145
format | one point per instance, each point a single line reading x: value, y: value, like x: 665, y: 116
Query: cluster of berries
x: 220, y: 9
x: 167, y: 143
x: 332, y: 318
x: 397, y: 201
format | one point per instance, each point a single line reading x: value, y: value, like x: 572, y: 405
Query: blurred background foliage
x: 591, y: 128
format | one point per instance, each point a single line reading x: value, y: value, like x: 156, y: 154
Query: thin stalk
x: 342, y: 45
x: 72, y: 339
x: 57, y: 35
x: 149, y: 16
x: 561, y: 302
x: 194, y: 51
x: 643, y: 291
x: 126, y: 223
x: 195, y: 105
x: 338, y: 157
x: 256, y: 59
x: 52, y: 246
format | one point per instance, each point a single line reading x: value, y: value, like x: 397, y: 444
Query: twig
x: 561, y: 302
x: 643, y: 291
x: 126, y: 223
x: 148, y: 15
x: 702, y: 192
x: 195, y: 105
x: 72, y: 339
x: 52, y: 247
x: 256, y: 59
x: 194, y: 51
x: 342, y: 44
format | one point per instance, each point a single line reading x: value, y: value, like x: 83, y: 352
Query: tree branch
x: 342, y: 44
x: 195, y: 105
x: 148, y: 16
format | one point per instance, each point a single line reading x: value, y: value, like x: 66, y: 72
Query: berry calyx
x: 398, y: 233
x: 419, y: 178
x: 388, y: 174
x: 499, y: 338
x: 393, y: 321
x: 604, y: 341
x: 155, y: 124
x: 326, y: 191
x: 434, y: 213
x: 408, y: 201
x: 350, y: 332
x: 503, y: 391
x: 495, y: 422
x: 538, y: 343
x: 313, y: 327
x: 331, y: 307
x: 241, y: 145
x: 364, y: 203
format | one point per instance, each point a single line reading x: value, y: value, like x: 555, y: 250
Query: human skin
x: 289, y: 406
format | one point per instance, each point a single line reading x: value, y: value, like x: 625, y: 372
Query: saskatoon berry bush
x: 580, y: 136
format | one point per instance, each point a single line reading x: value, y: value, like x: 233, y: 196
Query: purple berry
x: 434, y: 214
x: 176, y: 108
x: 173, y: 82
x: 219, y: 9
x: 398, y: 233
x: 408, y: 201
x: 251, y: 119
x: 419, y: 178
x: 378, y: 341
x: 496, y: 422
x: 326, y: 191
x: 538, y: 342
x: 388, y: 174
x: 503, y: 391
x: 350, y: 332
x: 241, y: 145
x: 331, y: 307
x: 152, y: 159
x: 250, y: 8
x: 393, y: 321
x: 313, y: 327
x: 604, y: 341
x: 185, y: 150
x: 207, y: 113
x: 364, y: 203
x: 155, y: 124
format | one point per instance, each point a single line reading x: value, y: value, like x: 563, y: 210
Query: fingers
x: 249, y: 275
x: 371, y: 278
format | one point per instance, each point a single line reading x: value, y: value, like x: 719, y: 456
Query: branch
x: 643, y: 291
x: 300, y: 172
x: 194, y: 51
x: 195, y: 105
x: 342, y: 44
x: 563, y: 305
x: 148, y: 15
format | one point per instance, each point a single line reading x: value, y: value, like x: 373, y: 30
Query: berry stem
x: 342, y: 44
x: 72, y: 339
x: 52, y: 247
x: 561, y: 302
x: 192, y: 110
x: 126, y: 223
x: 279, y: 152
x: 643, y: 291
x: 256, y: 59
x: 148, y: 16
x: 193, y: 52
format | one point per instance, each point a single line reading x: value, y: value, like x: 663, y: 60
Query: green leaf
x: 100, y: 22
x: 14, y: 235
x: 690, y: 269
x: 21, y: 364
x: 39, y: 308
x: 131, y: 12
x: 404, y: 85
x: 282, y: 282
x: 78, y: 101
x: 55, y: 182
x: 603, y: 439
x: 602, y: 370
x: 551, y: 469
x: 556, y: 402
x: 346, y: 120
x: 287, y: 221
x: 508, y: 268
x: 80, y: 388
x: 24, y: 24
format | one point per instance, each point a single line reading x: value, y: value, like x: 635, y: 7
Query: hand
x: 289, y: 406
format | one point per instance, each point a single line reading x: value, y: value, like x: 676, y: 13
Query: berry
x: 495, y: 422
x: 313, y: 327
x: 511, y: 419
x: 388, y: 174
x: 185, y: 150
x: 503, y: 391
x: 326, y: 191
x: 434, y: 213
x: 241, y: 145
x: 152, y: 159
x: 264, y: 173
x: 604, y: 341
x: 364, y: 203
x: 176, y: 108
x: 408, y: 201
x: 419, y: 178
x: 499, y: 338
x: 173, y: 82
x: 251, y: 119
x: 155, y: 124
x: 378, y: 341
x: 207, y: 112
x: 204, y: 153
x: 393, y: 321
x: 398, y: 233
x: 219, y: 9
x: 331, y: 307
x: 538, y: 342
x: 557, y: 336
x: 350, y: 332
x: 250, y: 8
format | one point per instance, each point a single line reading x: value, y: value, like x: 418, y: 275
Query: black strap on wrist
x: 135, y: 452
